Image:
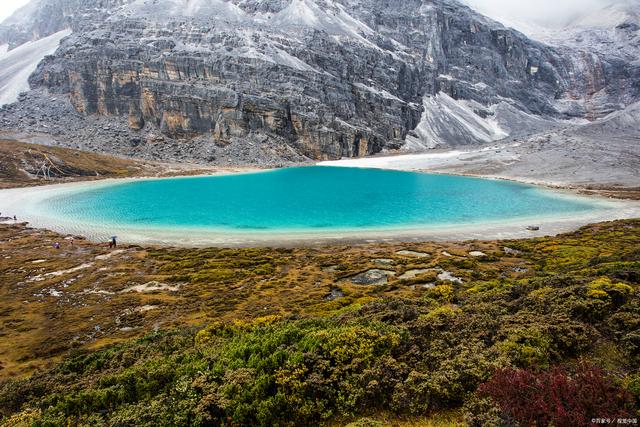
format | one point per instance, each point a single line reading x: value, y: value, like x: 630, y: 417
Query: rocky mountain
x: 612, y: 33
x: 295, y: 79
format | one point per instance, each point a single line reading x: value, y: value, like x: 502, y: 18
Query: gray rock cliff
x: 325, y: 78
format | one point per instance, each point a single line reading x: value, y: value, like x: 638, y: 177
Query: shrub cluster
x: 562, y: 396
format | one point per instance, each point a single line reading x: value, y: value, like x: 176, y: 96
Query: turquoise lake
x: 311, y: 198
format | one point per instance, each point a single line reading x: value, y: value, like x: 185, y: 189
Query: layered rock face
x: 329, y: 78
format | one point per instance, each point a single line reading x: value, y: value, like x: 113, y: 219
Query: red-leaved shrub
x: 560, y: 396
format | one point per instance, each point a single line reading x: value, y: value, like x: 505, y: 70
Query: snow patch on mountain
x: 446, y: 121
x: 18, y: 64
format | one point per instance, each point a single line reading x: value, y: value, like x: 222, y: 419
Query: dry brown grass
x: 21, y: 165
x: 50, y: 304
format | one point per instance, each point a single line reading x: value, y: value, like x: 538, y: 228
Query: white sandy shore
x: 550, y: 164
x: 474, y: 161
x: 23, y: 202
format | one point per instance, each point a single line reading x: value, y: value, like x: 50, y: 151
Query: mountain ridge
x: 328, y: 79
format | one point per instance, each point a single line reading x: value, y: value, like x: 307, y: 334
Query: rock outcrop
x: 327, y: 78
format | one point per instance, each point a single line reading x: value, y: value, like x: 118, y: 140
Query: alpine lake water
x: 310, y: 199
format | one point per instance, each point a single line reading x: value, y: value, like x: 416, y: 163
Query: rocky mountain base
x: 51, y: 120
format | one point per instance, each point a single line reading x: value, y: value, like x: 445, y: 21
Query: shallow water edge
x: 22, y: 202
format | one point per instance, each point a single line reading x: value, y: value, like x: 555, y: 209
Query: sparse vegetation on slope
x: 23, y: 164
x: 31, y: 164
x: 256, y: 337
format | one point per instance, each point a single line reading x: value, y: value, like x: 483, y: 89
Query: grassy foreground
x: 542, y: 331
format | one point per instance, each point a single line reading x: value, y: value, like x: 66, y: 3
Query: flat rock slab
x: 413, y: 254
x: 385, y: 262
x: 412, y: 274
x: 373, y: 277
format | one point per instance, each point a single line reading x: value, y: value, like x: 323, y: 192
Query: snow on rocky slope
x: 449, y: 122
x: 18, y: 64
x: 446, y: 121
x: 323, y: 78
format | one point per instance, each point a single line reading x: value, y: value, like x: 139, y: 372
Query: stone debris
x: 55, y: 293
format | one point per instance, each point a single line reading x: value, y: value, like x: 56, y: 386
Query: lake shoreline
x: 454, y: 163
x: 18, y: 200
